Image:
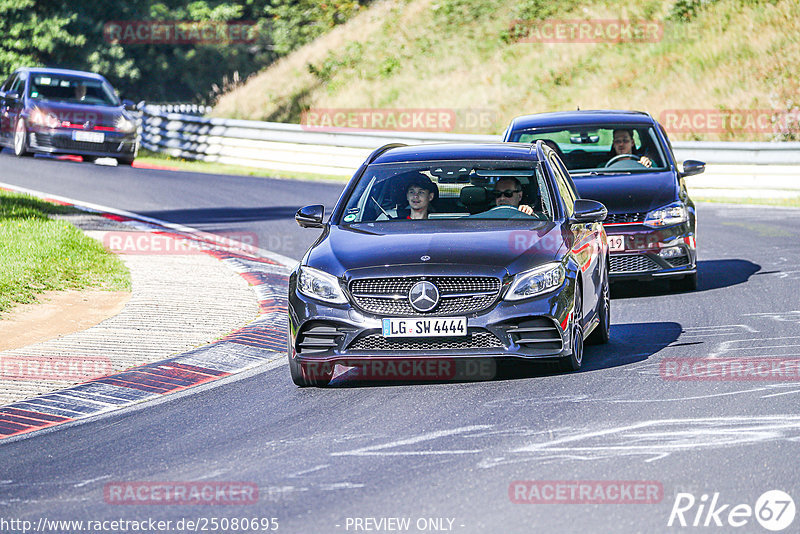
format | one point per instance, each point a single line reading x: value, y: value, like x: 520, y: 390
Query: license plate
x: 89, y: 137
x: 616, y: 243
x: 425, y: 327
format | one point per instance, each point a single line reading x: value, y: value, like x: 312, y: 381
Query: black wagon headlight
x: 320, y: 285
x: 536, y: 281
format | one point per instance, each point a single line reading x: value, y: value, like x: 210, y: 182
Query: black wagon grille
x: 537, y: 333
x: 617, y: 218
x: 458, y: 294
x: 475, y: 340
x: 629, y: 263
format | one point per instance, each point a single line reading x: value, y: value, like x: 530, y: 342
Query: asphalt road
x: 436, y: 452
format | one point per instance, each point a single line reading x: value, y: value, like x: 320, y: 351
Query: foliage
x: 71, y: 35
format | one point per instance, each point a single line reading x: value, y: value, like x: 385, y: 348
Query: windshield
x: 613, y: 148
x: 449, y: 190
x: 74, y: 90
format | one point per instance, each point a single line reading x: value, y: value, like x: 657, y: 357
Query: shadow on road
x: 712, y: 274
x: 630, y: 343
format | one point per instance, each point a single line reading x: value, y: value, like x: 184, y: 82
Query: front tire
x: 21, y: 140
x: 602, y: 333
x: 574, y: 361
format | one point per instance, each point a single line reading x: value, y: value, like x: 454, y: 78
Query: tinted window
x: 591, y: 148
x: 564, y: 186
x: 60, y: 88
x: 453, y: 190
x: 7, y: 84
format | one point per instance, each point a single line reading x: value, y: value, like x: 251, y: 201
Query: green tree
x: 30, y: 33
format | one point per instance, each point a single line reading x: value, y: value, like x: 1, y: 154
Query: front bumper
x: 60, y: 141
x: 537, y: 329
x: 652, y: 253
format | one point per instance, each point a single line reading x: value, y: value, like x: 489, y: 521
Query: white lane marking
x: 657, y: 439
x: 91, y: 480
x: 755, y: 344
x: 789, y: 316
x: 284, y: 260
x: 340, y: 485
x: 780, y: 394
x: 721, y: 327
x: 380, y: 450
x: 307, y: 471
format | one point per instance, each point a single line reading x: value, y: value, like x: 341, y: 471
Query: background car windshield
x: 462, y: 190
x: 591, y: 148
x: 74, y: 90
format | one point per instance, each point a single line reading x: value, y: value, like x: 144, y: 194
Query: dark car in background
x: 651, y: 221
x: 473, y: 280
x: 59, y: 111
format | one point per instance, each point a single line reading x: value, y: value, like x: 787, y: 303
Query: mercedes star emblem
x: 423, y: 296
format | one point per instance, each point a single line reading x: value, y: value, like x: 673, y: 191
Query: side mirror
x: 310, y: 216
x: 588, y: 211
x: 692, y: 167
x: 129, y: 105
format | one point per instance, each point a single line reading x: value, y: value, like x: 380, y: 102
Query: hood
x: 627, y: 193
x: 79, y: 113
x: 474, y: 247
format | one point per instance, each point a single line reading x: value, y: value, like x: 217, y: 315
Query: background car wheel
x: 124, y: 162
x: 574, y: 361
x: 602, y: 333
x: 21, y: 140
x: 687, y: 283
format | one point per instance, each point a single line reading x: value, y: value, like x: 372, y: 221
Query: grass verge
x: 155, y: 158
x: 39, y: 254
x: 782, y: 202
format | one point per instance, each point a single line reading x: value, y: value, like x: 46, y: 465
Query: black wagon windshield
x: 449, y: 190
x: 72, y: 89
x: 608, y: 148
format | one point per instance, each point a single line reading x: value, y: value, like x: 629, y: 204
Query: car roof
x: 63, y: 72
x: 457, y: 151
x: 580, y: 117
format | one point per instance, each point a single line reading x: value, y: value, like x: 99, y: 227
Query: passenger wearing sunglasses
x: 508, y: 192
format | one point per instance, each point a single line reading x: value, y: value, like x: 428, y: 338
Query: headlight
x: 125, y: 126
x: 674, y: 213
x: 40, y: 118
x: 319, y: 285
x: 536, y: 281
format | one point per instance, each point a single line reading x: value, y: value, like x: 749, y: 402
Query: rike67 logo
x: 774, y: 510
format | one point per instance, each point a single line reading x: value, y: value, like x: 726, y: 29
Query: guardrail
x: 292, y: 147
